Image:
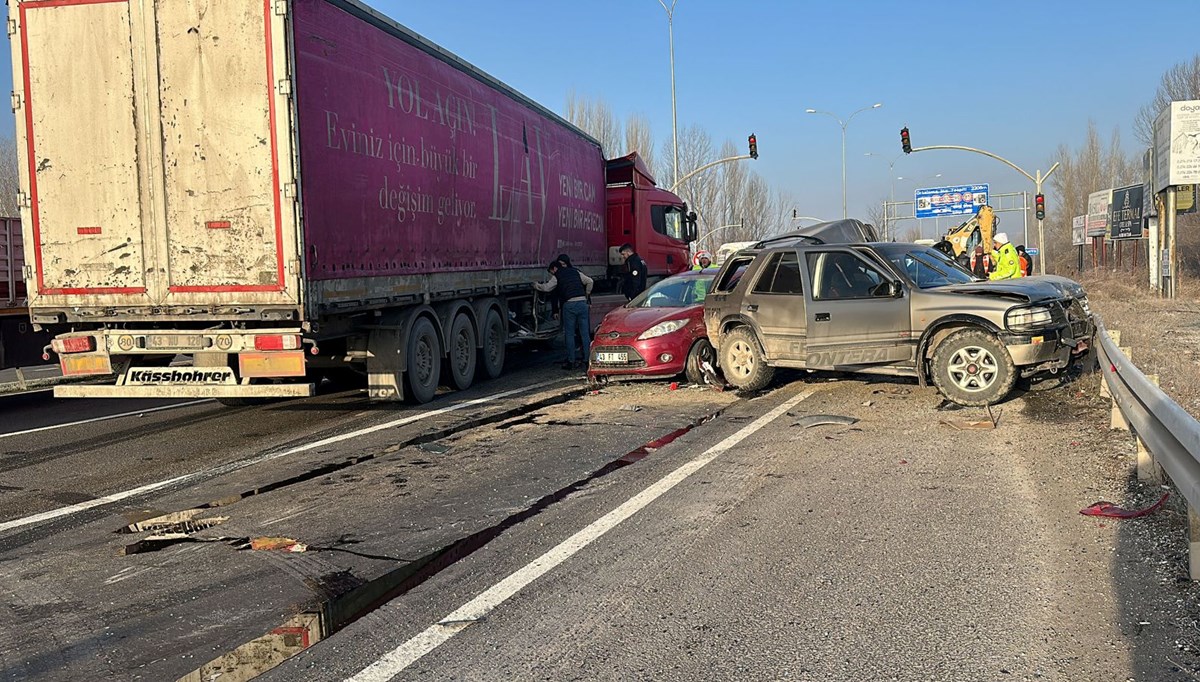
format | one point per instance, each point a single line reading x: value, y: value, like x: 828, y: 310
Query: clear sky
x: 1017, y: 77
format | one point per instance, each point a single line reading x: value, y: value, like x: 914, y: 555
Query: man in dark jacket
x: 633, y: 279
x: 573, y: 289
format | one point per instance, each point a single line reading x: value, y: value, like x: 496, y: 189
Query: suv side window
x: 840, y: 275
x: 781, y: 275
x: 733, y: 275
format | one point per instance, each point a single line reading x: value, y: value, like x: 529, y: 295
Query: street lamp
x: 887, y: 221
x: 674, y: 116
x: 843, y: 124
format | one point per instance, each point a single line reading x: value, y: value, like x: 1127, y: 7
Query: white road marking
x: 106, y: 418
x: 396, y: 660
x: 259, y: 459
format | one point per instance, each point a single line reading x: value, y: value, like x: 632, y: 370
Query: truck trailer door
x: 229, y: 229
x: 75, y: 105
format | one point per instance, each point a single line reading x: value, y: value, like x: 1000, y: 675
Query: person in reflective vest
x: 702, y: 261
x: 1026, y: 261
x: 1008, y: 264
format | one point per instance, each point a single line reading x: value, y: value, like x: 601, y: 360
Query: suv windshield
x: 928, y: 268
x: 674, y: 292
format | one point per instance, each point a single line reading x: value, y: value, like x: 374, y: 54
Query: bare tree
x: 9, y: 185
x: 638, y: 138
x: 877, y: 217
x: 596, y: 118
x: 1091, y: 168
x: 1180, y: 82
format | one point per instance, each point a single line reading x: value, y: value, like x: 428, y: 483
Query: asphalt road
x: 528, y: 529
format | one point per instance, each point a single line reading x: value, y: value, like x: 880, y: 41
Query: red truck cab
x: 656, y: 222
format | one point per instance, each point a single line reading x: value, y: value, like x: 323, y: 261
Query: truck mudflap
x: 185, y: 391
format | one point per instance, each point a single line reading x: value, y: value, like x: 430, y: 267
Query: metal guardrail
x: 1168, y: 436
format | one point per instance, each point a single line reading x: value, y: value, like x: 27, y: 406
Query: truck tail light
x: 277, y: 342
x: 74, y: 344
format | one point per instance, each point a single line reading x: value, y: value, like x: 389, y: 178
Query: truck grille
x: 633, y: 362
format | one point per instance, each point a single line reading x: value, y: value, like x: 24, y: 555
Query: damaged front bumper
x: 1047, y: 350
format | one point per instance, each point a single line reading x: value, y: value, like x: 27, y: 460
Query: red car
x: 658, y: 334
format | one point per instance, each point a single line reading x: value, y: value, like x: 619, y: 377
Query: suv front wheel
x: 971, y: 367
x: 742, y: 361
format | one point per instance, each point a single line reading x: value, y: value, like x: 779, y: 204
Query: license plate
x: 174, y: 341
x: 612, y: 357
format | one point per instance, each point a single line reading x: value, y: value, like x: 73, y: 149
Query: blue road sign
x: 932, y: 202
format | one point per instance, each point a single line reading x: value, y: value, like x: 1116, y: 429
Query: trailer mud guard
x: 387, y: 359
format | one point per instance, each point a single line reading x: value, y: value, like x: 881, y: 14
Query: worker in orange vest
x: 1026, y: 261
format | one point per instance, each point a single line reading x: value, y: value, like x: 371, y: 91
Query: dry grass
x: 1164, y: 335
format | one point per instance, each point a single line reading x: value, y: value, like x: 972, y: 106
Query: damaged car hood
x: 1027, y: 289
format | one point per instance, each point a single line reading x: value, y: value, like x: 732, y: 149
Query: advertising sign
x: 1079, y: 230
x: 932, y: 202
x: 1185, y: 198
x: 1097, y: 217
x: 1125, y: 216
x: 446, y: 171
x: 1177, y: 145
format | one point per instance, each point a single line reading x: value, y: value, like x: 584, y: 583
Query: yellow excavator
x: 977, y: 231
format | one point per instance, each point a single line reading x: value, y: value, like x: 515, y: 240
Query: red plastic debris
x: 674, y: 385
x: 1112, y: 511
x: 904, y: 461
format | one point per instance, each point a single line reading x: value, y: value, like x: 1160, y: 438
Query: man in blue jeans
x: 573, y: 289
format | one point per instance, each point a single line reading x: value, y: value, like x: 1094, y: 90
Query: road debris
x: 277, y: 544
x: 435, y: 448
x: 631, y: 408
x: 176, y: 522
x: 824, y: 419
x: 970, y: 424
x: 1112, y: 511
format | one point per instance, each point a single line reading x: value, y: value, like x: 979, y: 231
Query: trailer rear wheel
x: 495, y: 336
x: 424, y: 361
x: 460, y: 362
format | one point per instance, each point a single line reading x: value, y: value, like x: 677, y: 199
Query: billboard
x: 422, y: 167
x: 1177, y: 145
x: 1079, y: 230
x: 1097, y: 215
x: 932, y: 202
x: 1125, y: 215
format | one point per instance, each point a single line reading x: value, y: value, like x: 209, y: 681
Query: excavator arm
x: 979, y: 230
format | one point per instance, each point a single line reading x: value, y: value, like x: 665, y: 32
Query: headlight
x: 662, y: 329
x: 1027, y: 318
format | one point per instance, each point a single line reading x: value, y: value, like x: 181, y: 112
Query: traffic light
x: 905, y: 142
x: 1039, y: 203
x: 753, y: 146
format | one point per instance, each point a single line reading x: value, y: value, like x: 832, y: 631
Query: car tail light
x: 74, y: 344
x: 277, y: 342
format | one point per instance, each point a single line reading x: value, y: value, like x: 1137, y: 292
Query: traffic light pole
x: 1036, y: 179
x: 706, y: 166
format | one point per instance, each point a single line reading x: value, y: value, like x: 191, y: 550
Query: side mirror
x: 690, y: 222
x: 895, y: 289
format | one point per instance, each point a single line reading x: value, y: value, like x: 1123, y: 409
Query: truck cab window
x: 668, y: 220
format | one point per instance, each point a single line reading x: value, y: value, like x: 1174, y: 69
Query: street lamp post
x: 674, y: 116
x: 887, y: 221
x: 843, y: 125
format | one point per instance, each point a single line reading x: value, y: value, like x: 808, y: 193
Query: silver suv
x: 831, y: 298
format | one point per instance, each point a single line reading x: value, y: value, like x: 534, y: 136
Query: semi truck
x: 285, y: 188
